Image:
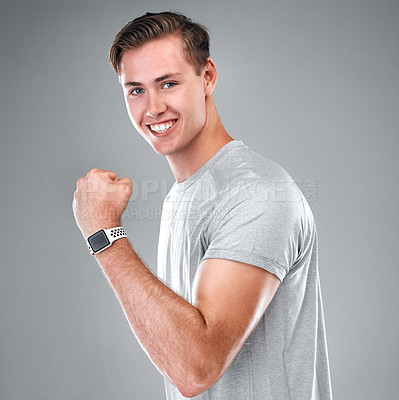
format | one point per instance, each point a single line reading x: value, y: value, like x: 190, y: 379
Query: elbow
x: 189, y: 392
x: 198, y: 380
x: 193, y: 388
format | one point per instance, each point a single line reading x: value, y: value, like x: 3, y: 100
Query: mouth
x: 162, y: 128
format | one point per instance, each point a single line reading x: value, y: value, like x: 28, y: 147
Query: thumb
x: 126, y: 181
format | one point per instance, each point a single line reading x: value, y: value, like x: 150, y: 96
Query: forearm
x: 172, y: 331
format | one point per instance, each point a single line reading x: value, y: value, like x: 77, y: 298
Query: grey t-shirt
x: 244, y: 207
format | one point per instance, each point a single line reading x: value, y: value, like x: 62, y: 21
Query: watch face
x: 98, y: 241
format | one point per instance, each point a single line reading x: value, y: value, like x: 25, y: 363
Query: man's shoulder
x: 242, y: 166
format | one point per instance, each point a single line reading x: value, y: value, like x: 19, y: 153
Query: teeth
x: 162, y: 128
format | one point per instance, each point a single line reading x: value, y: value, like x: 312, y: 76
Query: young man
x: 236, y: 311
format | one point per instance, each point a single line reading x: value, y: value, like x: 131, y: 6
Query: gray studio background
x: 311, y: 84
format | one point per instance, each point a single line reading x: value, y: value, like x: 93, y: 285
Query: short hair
x: 157, y: 25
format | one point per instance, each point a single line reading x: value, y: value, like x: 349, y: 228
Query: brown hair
x: 157, y: 25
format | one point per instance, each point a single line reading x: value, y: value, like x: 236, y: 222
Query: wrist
x: 87, y: 231
x: 104, y: 238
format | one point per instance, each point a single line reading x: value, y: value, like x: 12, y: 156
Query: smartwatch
x: 102, y: 239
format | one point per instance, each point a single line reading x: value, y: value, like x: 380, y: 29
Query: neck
x: 202, y: 148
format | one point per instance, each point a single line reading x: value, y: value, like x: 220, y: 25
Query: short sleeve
x: 259, y: 230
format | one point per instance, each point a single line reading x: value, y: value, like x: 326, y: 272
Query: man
x: 236, y: 311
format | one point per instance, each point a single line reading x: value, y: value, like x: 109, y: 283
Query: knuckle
x: 77, y: 195
x: 93, y: 171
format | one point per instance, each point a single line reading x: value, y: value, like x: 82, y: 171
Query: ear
x: 210, y: 77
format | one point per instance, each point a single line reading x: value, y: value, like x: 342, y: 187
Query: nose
x: 155, y: 105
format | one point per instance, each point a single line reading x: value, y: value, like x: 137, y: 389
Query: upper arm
x: 262, y: 236
x: 231, y: 297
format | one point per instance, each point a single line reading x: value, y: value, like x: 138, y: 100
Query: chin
x: 163, y: 149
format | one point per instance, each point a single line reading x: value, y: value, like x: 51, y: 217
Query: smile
x: 164, y: 127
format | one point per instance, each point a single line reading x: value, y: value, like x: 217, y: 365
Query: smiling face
x: 165, y: 99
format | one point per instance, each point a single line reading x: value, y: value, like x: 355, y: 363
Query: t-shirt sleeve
x: 261, y: 231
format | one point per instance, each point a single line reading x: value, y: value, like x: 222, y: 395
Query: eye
x: 136, y: 91
x: 168, y: 85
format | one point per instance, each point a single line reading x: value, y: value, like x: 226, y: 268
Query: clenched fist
x: 100, y: 200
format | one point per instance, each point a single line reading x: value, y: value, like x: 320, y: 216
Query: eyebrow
x: 161, y: 78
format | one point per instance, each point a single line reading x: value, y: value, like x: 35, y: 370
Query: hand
x: 100, y: 200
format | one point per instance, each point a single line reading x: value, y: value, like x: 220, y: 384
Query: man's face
x: 165, y: 99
